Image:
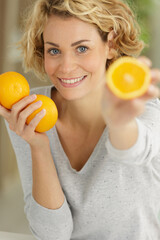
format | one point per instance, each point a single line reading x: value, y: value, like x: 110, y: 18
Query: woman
x: 95, y: 174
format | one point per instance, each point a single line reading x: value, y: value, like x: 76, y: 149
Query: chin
x: 73, y: 96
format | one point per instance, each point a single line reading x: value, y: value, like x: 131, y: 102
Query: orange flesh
x: 127, y: 81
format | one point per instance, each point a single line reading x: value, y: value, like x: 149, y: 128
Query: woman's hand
x: 118, y: 112
x: 16, y: 118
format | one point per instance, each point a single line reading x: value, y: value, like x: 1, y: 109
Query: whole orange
x: 13, y: 87
x: 50, y: 118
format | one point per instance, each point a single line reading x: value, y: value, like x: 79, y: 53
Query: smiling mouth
x: 72, y: 80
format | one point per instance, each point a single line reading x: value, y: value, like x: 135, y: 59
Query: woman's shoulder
x: 45, y: 90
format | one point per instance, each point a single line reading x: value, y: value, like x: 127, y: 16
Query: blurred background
x: 12, y: 218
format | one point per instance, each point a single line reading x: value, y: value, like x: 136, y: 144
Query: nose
x: 67, y: 64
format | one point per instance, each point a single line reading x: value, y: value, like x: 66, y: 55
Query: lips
x: 71, y: 82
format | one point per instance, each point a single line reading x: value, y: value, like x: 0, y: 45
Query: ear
x: 111, y: 51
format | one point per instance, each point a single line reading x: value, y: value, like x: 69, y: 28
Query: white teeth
x: 73, y: 80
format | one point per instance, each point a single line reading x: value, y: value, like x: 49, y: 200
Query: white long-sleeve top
x: 115, y: 196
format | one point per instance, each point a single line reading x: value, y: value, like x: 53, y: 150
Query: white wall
x: 155, y: 34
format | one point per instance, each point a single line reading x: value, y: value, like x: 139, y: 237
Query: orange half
x: 128, y: 78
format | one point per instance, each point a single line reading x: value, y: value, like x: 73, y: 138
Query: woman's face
x: 74, y: 56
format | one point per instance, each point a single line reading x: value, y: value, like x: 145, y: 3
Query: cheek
x: 49, y: 66
x: 95, y: 63
x: 46, y: 64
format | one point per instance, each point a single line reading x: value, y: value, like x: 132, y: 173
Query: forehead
x: 58, y: 27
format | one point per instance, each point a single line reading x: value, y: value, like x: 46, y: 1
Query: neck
x: 84, y: 112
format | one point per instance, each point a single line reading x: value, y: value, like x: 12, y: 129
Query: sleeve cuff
x: 49, y: 217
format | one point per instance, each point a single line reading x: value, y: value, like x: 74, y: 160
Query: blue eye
x: 82, y: 49
x: 53, y: 51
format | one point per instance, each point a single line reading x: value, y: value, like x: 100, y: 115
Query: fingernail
x: 38, y: 103
x: 148, y: 62
x: 43, y: 112
x: 33, y: 97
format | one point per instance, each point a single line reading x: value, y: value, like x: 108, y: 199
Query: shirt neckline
x: 62, y: 152
x: 90, y: 160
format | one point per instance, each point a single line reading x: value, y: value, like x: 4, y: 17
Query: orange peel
x: 50, y: 118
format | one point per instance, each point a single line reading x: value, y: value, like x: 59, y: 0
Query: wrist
x: 119, y: 127
x: 40, y: 145
x: 123, y: 136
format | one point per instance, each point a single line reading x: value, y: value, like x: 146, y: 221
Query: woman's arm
x: 123, y: 137
x: 46, y: 188
x: 120, y: 115
x: 47, y: 209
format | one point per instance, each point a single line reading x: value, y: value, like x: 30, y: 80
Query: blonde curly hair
x: 106, y: 15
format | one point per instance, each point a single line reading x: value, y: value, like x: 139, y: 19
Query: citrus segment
x: 128, y: 78
x: 50, y: 118
x: 13, y: 87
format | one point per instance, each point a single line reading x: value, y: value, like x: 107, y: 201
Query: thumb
x: 4, y: 112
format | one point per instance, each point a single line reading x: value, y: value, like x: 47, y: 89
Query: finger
x: 152, y: 92
x: 34, y: 122
x: 145, y: 61
x: 111, y: 97
x: 133, y: 108
x: 155, y: 75
x: 23, y: 103
x: 19, y: 106
x: 5, y: 112
x: 25, y: 114
x: 126, y: 111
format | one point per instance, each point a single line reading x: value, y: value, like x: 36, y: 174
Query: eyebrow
x: 72, y: 45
